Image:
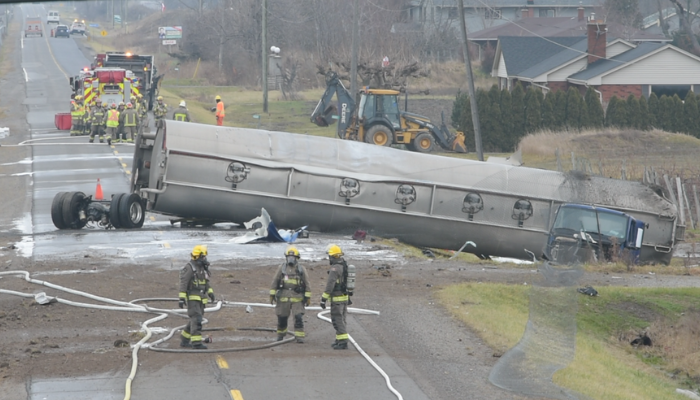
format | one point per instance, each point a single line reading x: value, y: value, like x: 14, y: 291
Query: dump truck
x: 33, y: 27
x: 379, y: 121
x: 204, y: 172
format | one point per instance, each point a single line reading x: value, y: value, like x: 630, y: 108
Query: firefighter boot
x: 109, y: 140
x: 184, y: 342
x: 280, y: 337
x: 207, y: 339
x: 92, y: 139
x: 102, y: 139
x: 341, y: 345
x: 199, y: 346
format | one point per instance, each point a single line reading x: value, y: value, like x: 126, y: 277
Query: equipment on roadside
x: 143, y: 68
x: 379, y: 121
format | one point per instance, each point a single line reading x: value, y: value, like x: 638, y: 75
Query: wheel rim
x: 424, y: 143
x: 380, y: 138
x: 135, y: 212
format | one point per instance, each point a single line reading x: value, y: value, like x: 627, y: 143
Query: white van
x: 52, y: 17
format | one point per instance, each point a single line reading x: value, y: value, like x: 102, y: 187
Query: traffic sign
x: 103, y: 33
x: 94, y: 25
x: 169, y: 42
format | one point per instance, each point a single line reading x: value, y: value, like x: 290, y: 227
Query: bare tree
x: 686, y: 26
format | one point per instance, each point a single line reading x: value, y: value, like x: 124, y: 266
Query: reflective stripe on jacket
x: 194, y: 283
x: 112, y: 118
x: 290, y: 284
x: 220, y: 109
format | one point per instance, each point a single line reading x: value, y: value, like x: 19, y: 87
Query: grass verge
x: 605, y: 366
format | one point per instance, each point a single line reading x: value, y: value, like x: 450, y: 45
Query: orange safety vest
x: 112, y: 118
x: 220, y: 109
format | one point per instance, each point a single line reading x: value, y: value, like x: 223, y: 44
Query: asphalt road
x: 61, y: 163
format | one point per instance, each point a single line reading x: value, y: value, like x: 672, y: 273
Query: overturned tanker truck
x: 228, y: 174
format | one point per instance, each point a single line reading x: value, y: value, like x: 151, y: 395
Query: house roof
x: 602, y: 66
x: 523, y: 53
x: 560, y: 26
x: 576, y: 50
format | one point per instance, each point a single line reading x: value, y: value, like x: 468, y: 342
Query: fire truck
x: 111, y: 85
x: 145, y: 78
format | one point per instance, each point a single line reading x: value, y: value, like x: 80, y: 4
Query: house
x: 481, y: 14
x: 616, y: 67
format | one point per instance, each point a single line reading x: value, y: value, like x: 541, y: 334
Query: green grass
x: 603, y: 367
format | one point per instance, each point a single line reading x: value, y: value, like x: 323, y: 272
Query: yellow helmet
x: 140, y: 96
x: 198, y: 251
x: 160, y: 98
x: 217, y: 97
x: 292, y: 251
x: 121, y: 103
x: 78, y: 97
x: 334, y: 251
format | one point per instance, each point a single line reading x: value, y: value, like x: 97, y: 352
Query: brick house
x: 611, y: 68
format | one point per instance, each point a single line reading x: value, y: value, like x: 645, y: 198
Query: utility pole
x: 355, y: 45
x: 470, y: 81
x: 201, y: 7
x: 112, y: 14
x: 264, y: 54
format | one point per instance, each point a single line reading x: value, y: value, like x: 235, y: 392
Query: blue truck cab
x: 584, y: 233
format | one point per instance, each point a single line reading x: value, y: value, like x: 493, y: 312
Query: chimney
x: 580, y: 14
x: 596, y: 39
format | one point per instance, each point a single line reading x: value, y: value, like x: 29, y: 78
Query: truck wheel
x: 72, y: 202
x: 57, y: 210
x: 131, y: 212
x: 424, y: 143
x: 379, y: 135
x: 114, y: 211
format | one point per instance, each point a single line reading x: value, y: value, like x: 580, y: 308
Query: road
x: 59, y: 162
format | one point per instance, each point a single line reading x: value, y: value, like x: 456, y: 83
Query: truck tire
x: 71, y: 210
x: 379, y: 135
x: 114, y: 211
x: 424, y: 143
x: 57, y: 210
x: 131, y: 211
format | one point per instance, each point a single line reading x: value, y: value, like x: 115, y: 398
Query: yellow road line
x: 115, y: 152
x: 166, y: 245
x: 221, y: 362
x: 46, y: 37
x: 152, y: 218
x: 236, y: 394
x: 124, y: 165
x: 128, y: 172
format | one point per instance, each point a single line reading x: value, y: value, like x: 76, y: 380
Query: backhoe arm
x: 326, y: 113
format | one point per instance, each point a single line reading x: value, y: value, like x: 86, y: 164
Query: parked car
x: 52, y: 17
x: 62, y: 30
x: 77, y: 28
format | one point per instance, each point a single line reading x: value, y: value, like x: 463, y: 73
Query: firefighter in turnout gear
x: 112, y: 123
x: 76, y: 114
x: 159, y: 112
x: 195, y: 292
x: 290, y: 289
x: 142, y: 112
x: 181, y: 113
x: 337, y: 291
x: 131, y: 120
x: 97, y: 121
x: 120, y: 128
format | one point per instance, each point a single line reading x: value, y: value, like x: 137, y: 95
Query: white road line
x: 26, y: 77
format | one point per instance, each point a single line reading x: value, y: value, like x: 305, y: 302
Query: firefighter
x: 337, y: 291
x: 182, y: 113
x: 159, y: 112
x: 290, y: 289
x: 112, y: 123
x: 120, y: 129
x: 97, y: 120
x: 142, y: 111
x: 131, y: 120
x: 87, y: 117
x: 74, y: 116
x: 194, y: 290
x: 220, y: 112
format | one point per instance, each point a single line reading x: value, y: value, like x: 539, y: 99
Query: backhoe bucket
x: 458, y: 143
x: 326, y: 119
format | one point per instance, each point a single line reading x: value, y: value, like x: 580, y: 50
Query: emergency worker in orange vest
x: 220, y: 112
x: 112, y: 123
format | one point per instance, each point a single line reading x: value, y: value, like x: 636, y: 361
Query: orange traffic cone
x: 98, y: 191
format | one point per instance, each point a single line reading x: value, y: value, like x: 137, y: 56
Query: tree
x: 625, y: 13
x: 573, y: 108
x: 506, y: 116
x: 533, y: 111
x: 632, y: 112
x: 643, y: 114
x: 615, y: 114
x: 489, y: 133
x: 494, y: 115
x: 517, y: 112
x: 664, y: 117
x: 559, y: 109
x: 691, y: 115
x: 462, y: 118
x: 654, y: 108
x: 677, y: 115
x: 548, y: 118
x: 584, y: 122
x: 596, y: 116
x: 688, y: 40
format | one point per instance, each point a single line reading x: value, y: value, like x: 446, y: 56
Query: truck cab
x: 585, y: 233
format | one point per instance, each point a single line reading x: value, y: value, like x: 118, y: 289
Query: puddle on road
x: 104, y: 387
x: 25, y: 248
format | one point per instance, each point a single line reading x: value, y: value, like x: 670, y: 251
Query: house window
x: 546, y: 12
x: 492, y: 13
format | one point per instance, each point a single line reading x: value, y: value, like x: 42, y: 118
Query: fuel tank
x: 228, y: 174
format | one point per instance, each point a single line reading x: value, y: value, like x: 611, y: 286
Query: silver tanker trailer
x: 228, y: 174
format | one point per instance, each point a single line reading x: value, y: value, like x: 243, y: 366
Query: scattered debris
x: 359, y: 235
x: 588, y: 291
x: 8, y: 248
x: 248, y: 309
x: 121, y: 343
x: 428, y: 253
x: 264, y: 230
x: 642, y: 340
x: 235, y: 281
x: 43, y: 299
